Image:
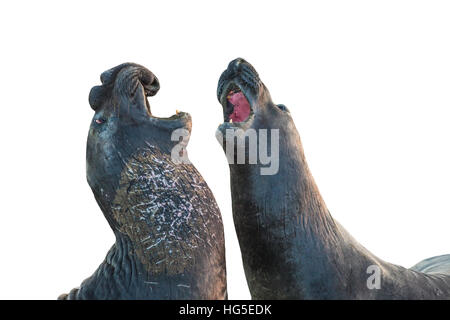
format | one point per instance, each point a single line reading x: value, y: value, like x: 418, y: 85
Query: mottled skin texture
x: 168, y: 228
x: 291, y: 246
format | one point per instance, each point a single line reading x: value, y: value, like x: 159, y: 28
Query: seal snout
x: 129, y: 72
x: 236, y: 64
x: 124, y: 79
x: 149, y: 81
x: 241, y: 65
x: 237, y: 88
x: 131, y: 76
x: 124, y: 90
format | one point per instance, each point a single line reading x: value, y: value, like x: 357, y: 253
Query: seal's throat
x: 157, y: 207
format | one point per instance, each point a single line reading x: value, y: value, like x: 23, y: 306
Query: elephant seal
x: 291, y: 246
x: 168, y: 227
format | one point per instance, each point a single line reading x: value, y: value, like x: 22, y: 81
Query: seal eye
x: 100, y: 121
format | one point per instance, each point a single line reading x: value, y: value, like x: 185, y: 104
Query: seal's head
x: 250, y: 120
x: 123, y: 123
x: 245, y: 100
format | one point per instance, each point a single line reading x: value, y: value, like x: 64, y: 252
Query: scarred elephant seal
x: 291, y: 246
x: 168, y: 228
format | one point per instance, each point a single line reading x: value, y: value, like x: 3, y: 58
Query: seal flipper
x: 437, y: 264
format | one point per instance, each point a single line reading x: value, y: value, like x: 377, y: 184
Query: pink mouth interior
x: 241, y: 106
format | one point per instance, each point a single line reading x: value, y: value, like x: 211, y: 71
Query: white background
x: 367, y: 83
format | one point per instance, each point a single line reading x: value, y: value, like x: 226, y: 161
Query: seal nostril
x: 236, y: 65
x: 151, y: 85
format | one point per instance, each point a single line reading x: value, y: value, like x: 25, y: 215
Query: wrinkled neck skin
x: 291, y: 246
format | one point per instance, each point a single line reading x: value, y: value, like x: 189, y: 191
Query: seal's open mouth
x: 237, y: 92
x: 178, y: 114
x: 236, y: 106
x: 127, y: 80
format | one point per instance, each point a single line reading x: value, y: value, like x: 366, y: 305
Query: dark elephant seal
x: 168, y: 228
x: 291, y: 246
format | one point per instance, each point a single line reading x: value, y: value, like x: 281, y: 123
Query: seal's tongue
x: 241, y: 107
